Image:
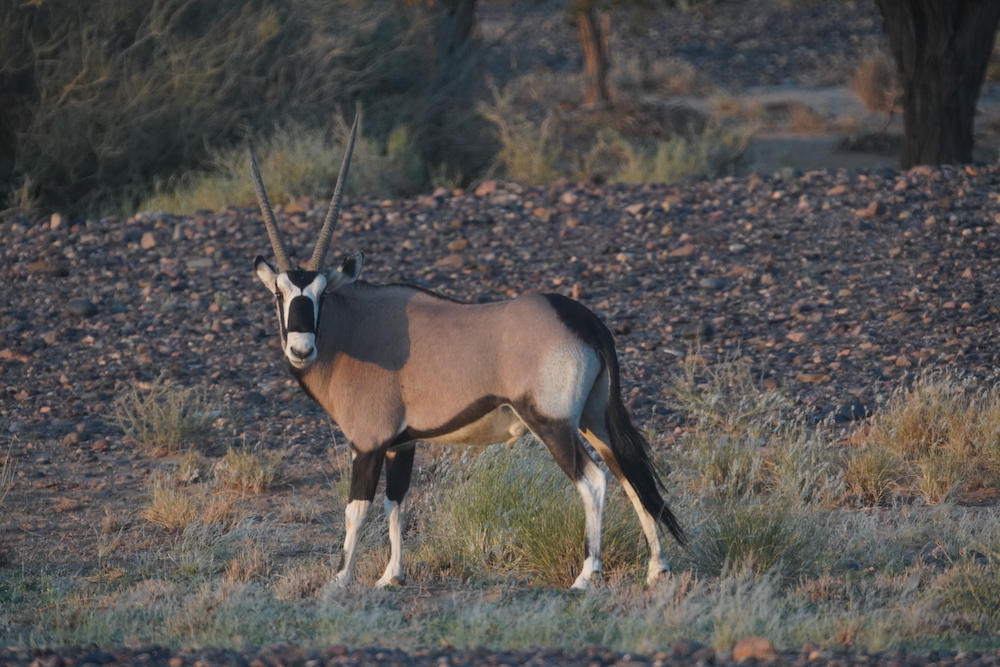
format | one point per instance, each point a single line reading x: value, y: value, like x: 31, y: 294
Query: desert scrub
x: 628, y: 142
x: 174, y: 506
x: 512, y: 511
x: 128, y: 93
x: 250, y: 470
x: 167, y: 419
x: 942, y: 434
x: 298, y: 161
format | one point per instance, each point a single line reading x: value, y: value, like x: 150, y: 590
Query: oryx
x: 394, y: 364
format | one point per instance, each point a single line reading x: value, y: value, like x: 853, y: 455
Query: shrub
x: 545, y: 134
x: 872, y: 473
x: 167, y: 419
x: 108, y: 97
x: 875, y: 83
x: 249, y: 470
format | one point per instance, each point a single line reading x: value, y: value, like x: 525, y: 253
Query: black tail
x: 628, y: 446
x: 632, y: 450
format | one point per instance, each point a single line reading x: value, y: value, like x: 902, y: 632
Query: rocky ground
x: 837, y: 287
x: 752, y: 652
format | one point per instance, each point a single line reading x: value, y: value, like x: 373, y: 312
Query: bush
x: 106, y: 97
x: 167, y: 419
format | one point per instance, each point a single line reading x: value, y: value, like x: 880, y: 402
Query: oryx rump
x: 394, y: 364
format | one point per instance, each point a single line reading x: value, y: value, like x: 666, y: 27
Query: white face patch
x: 298, y: 326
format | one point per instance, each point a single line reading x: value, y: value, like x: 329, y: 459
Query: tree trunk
x: 596, y: 61
x: 941, y: 48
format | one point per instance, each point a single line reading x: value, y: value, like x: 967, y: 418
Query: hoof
x: 388, y: 582
x: 586, y: 583
x: 656, y: 576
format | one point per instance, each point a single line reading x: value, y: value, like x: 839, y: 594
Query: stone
x: 851, y: 411
x: 147, y: 241
x: 712, y: 284
x: 196, y: 263
x: 685, y: 250
x: 486, y: 188
x: 702, y: 330
x: 47, y: 268
x: 56, y: 222
x: 759, y: 648
x: 81, y: 307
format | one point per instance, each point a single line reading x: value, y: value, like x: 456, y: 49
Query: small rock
x: 568, y: 198
x: 148, y: 241
x: 874, y: 209
x: 454, y: 260
x: 458, y: 245
x: 254, y: 398
x: 72, y: 439
x: 759, y: 648
x: 698, y: 331
x: 47, y: 268
x: 56, y: 222
x: 486, y: 188
x: 712, y: 284
x: 81, y: 307
x: 50, y: 337
x: 685, y: 250
x: 798, y: 336
x: 812, y: 378
x: 196, y: 263
x: 101, y: 445
x: 852, y: 411
x: 635, y: 209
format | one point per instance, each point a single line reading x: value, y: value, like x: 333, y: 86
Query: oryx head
x: 298, y: 293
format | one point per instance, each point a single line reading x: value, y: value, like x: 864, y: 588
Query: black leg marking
x: 364, y: 474
x: 398, y: 470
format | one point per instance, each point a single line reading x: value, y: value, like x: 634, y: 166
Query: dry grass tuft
x: 167, y: 419
x: 250, y: 470
x: 804, y: 120
x: 875, y: 83
x: 872, y: 473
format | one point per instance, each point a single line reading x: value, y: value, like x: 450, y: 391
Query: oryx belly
x: 500, y: 425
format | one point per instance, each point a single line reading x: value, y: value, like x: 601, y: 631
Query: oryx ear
x: 265, y: 273
x: 347, y: 273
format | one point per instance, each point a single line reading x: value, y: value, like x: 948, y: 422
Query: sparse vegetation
x: 167, y: 419
x: 249, y: 470
x: 629, y: 142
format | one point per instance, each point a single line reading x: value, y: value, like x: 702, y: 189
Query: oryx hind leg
x: 563, y: 442
x: 593, y: 426
x: 398, y: 470
x: 365, y: 469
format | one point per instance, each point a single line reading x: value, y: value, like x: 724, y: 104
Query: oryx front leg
x: 398, y: 469
x: 364, y: 480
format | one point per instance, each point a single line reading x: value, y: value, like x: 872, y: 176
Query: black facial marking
x: 300, y: 278
x: 364, y: 474
x: 398, y: 469
x: 301, y: 315
x: 472, y: 413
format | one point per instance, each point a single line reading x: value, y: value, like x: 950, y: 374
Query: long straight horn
x: 326, y: 233
x: 280, y: 254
